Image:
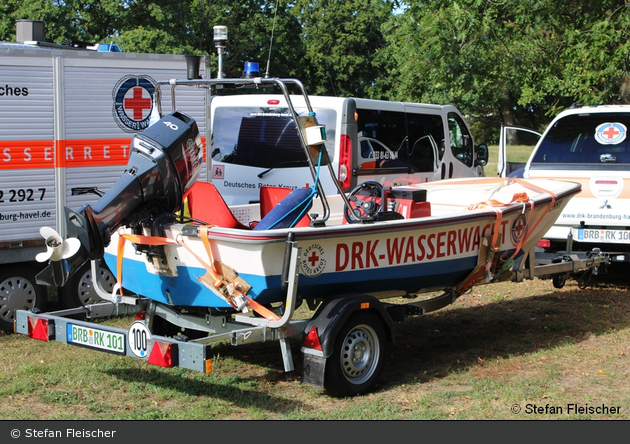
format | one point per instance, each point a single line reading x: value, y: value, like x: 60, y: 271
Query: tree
x: 342, y: 39
x: 510, y: 62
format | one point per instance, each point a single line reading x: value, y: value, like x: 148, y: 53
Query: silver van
x: 254, y: 143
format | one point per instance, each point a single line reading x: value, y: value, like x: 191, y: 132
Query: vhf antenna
x: 271, y: 42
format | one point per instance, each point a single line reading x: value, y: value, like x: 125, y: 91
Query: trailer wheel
x: 559, y: 280
x: 358, y: 356
x: 19, y: 291
x: 79, y: 290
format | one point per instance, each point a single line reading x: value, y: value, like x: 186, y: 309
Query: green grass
x: 499, y: 346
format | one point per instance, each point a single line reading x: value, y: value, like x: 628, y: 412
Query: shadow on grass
x: 453, y: 340
x: 427, y: 347
x: 245, y: 383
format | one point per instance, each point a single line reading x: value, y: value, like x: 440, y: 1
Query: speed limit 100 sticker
x: 138, y: 338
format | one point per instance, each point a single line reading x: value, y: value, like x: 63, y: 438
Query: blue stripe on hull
x: 186, y: 290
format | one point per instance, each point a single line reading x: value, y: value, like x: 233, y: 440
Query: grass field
x: 503, y: 352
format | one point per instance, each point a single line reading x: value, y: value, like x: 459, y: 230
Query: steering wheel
x: 365, y: 201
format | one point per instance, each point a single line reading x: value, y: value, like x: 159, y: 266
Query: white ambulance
x: 67, y: 120
x: 589, y: 145
x: 255, y: 143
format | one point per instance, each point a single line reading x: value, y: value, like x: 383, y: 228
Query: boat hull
x: 401, y: 256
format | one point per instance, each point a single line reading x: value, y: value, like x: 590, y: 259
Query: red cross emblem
x: 137, y: 103
x: 313, y: 258
x: 313, y: 261
x: 518, y: 229
x: 611, y: 132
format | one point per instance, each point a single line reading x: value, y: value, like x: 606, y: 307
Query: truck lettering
x: 22, y: 195
x: 7, y: 90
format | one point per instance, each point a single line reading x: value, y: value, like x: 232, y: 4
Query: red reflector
x: 141, y: 316
x: 312, y: 340
x: 273, y: 102
x: 162, y: 354
x: 544, y: 243
x: 39, y: 328
x: 606, y: 182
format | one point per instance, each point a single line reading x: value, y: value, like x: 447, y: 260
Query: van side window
x: 381, y: 137
x: 426, y: 141
x: 461, y: 141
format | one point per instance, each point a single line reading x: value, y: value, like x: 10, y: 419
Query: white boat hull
x: 409, y: 255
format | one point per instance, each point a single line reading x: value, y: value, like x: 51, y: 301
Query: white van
x: 255, y: 143
x: 589, y: 145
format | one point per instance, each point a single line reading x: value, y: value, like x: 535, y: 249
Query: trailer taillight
x: 41, y: 329
x: 544, y: 243
x: 312, y: 340
x: 345, y: 161
x: 162, y: 354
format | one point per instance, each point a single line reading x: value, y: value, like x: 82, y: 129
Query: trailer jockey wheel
x: 365, y: 202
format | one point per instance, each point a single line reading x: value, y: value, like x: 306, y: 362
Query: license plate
x: 96, y: 338
x: 603, y: 236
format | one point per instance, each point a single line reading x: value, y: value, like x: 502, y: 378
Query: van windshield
x: 261, y: 137
x: 586, y: 138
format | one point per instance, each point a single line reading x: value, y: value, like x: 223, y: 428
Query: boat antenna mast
x: 273, y: 27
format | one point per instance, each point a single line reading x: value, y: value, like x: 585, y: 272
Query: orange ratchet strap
x: 218, y: 280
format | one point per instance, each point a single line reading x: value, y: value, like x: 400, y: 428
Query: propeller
x: 57, y: 248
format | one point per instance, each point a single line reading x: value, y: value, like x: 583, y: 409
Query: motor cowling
x: 164, y: 161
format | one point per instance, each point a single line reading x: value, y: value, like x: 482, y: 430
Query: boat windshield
x: 594, y: 138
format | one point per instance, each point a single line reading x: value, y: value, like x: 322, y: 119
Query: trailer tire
x: 79, y: 290
x: 19, y: 291
x: 358, y: 356
x: 559, y: 280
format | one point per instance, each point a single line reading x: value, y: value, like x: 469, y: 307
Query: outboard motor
x: 164, y: 161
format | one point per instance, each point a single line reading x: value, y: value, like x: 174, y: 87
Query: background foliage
x: 499, y: 61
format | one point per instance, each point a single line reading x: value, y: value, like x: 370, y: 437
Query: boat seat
x: 206, y: 204
x: 289, y: 212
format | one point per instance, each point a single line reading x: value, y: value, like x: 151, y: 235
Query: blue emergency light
x: 251, y: 70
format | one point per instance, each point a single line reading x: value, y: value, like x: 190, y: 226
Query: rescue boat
x: 452, y: 233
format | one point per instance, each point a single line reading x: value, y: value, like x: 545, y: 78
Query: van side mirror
x: 482, y: 155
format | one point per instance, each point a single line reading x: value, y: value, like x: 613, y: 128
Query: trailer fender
x: 327, y: 323
x: 331, y: 316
